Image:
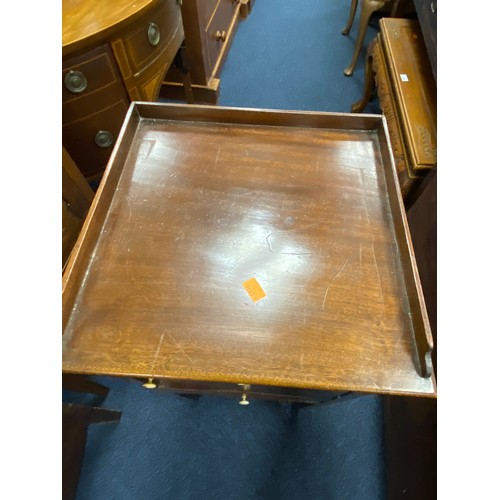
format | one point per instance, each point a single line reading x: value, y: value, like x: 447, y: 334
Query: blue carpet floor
x: 288, y: 54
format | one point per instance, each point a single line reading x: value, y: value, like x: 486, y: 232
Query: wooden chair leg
x: 368, y: 7
x: 359, y: 106
x: 352, y: 14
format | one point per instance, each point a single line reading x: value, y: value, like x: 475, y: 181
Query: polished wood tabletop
x: 247, y: 247
x: 90, y: 20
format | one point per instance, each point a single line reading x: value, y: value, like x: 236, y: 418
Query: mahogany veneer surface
x: 196, y: 201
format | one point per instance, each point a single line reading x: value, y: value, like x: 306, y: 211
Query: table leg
x: 359, y: 106
x: 352, y: 13
x: 368, y: 7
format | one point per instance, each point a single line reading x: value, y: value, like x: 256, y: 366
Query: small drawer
x: 219, y: 30
x: 88, y: 73
x: 151, y: 35
x: 91, y: 140
x: 251, y: 391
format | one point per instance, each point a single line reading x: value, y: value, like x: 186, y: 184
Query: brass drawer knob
x: 149, y: 384
x: 153, y: 34
x: 244, y: 401
x: 75, y: 82
x: 220, y: 36
x: 104, y: 139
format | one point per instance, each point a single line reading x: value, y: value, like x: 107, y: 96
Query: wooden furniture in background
x: 393, y: 8
x: 410, y: 442
x: 113, y: 52
x: 75, y: 421
x: 209, y: 27
x: 197, y: 201
x: 410, y: 424
x: 427, y: 18
x: 76, y: 199
x: 398, y: 66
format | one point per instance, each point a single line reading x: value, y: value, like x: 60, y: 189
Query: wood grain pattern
x: 87, y: 22
x: 413, y: 87
x: 202, y: 200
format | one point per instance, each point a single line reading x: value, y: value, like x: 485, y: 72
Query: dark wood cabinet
x: 209, y: 27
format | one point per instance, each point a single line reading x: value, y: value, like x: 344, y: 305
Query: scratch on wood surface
x: 367, y: 216
x: 180, y: 348
x: 157, y: 351
x: 378, y: 273
x: 333, y: 279
x: 152, y: 144
x: 134, y: 279
x: 399, y: 339
x: 217, y: 156
x: 379, y: 284
x: 341, y: 269
x: 291, y: 230
x: 129, y: 209
x: 324, y: 298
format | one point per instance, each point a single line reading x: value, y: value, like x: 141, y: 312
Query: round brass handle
x: 220, y: 36
x: 75, y: 82
x: 104, y: 139
x: 149, y: 384
x: 244, y: 401
x: 153, y: 34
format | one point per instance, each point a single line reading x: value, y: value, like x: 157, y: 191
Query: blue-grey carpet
x: 288, y: 54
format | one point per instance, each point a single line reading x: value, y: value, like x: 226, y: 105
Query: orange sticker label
x: 254, y: 290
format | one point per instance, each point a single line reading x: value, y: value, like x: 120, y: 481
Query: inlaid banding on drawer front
x: 98, y: 71
x: 139, y: 49
x: 79, y: 109
x: 79, y: 137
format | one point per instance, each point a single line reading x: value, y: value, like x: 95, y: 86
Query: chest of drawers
x: 112, y: 53
x: 209, y: 27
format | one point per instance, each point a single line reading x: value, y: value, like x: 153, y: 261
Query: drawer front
x: 250, y: 391
x: 89, y: 73
x: 80, y: 109
x: 219, y: 31
x: 90, y: 141
x: 149, y: 37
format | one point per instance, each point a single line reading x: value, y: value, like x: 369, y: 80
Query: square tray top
x: 198, y: 200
